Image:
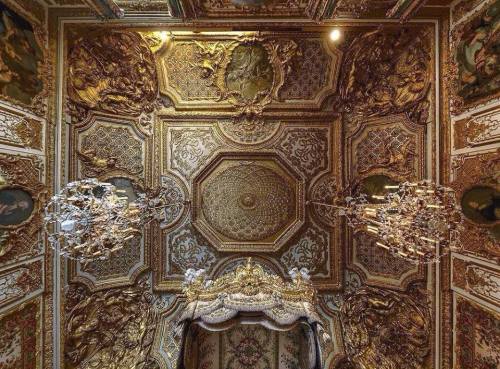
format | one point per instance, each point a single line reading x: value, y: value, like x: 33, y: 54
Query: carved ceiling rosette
x: 111, y: 72
x: 388, y: 71
x: 248, y: 201
x: 248, y: 72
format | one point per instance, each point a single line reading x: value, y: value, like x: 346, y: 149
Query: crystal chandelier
x: 417, y: 221
x: 88, y: 220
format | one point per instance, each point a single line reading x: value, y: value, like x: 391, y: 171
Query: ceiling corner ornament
x: 110, y: 329
x: 388, y: 71
x: 385, y: 329
x: 112, y: 72
x: 88, y: 221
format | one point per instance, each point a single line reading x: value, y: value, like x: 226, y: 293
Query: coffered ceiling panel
x: 249, y: 71
x: 250, y: 198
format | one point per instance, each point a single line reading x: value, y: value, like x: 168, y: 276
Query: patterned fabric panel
x: 249, y: 347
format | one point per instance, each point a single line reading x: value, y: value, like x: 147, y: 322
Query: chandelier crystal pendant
x: 418, y: 221
x: 88, y: 220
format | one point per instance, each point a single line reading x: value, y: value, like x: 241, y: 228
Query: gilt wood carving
x: 249, y: 178
x: 248, y: 72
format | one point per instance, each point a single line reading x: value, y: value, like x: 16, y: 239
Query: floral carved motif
x: 105, y: 148
x: 109, y: 329
x: 249, y: 131
x: 309, y: 251
x: 20, y: 131
x: 19, y: 338
x: 306, y: 149
x: 479, y: 129
x: 386, y: 330
x: 387, y: 71
x: 326, y: 191
x: 188, y: 249
x: 113, y: 72
x: 189, y: 149
x: 17, y: 283
x: 478, y: 336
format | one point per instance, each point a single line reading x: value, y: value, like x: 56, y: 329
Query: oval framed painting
x: 375, y: 185
x: 481, y: 204
x: 128, y: 187
x: 16, y: 206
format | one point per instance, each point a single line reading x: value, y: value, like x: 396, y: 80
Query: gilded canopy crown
x: 249, y: 279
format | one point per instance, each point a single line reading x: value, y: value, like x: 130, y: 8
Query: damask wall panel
x: 238, y: 70
x: 382, y: 151
x: 250, y: 197
x: 476, y: 279
x: 477, y: 336
x: 20, y: 337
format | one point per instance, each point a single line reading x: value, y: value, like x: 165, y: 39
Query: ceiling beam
x: 405, y: 9
x: 105, y: 8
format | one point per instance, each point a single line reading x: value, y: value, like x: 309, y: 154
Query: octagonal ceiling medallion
x: 248, y: 202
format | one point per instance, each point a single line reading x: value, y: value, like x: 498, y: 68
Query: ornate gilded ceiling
x: 248, y: 131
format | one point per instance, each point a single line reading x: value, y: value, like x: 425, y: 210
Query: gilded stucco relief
x: 230, y: 123
x: 113, y: 150
x: 383, y: 149
x: 475, y: 72
x: 477, y: 336
x: 231, y: 191
x: 25, y: 178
